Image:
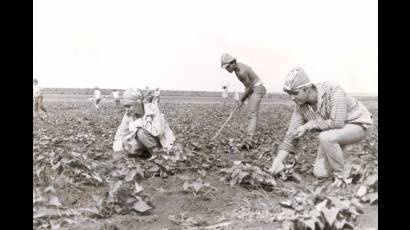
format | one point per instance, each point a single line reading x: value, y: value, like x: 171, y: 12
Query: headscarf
x: 132, y: 95
x: 296, y: 79
x: 226, y: 59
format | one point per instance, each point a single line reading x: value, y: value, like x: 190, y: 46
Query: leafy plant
x: 244, y: 173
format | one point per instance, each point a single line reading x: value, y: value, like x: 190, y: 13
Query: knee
x: 327, y: 137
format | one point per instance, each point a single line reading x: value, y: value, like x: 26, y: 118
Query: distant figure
x: 147, y: 94
x: 225, y: 93
x: 38, y: 98
x: 116, y: 97
x: 156, y: 96
x: 97, y: 97
x: 236, y: 98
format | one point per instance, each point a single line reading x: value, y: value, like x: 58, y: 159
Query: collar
x: 320, y: 94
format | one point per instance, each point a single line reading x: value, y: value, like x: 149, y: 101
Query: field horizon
x: 165, y: 92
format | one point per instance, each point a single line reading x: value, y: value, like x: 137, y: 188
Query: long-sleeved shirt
x: 97, y: 94
x: 37, y: 90
x: 153, y: 121
x: 335, y: 109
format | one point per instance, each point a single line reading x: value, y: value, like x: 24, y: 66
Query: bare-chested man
x: 254, y: 89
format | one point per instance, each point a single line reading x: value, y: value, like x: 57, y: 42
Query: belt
x: 258, y: 83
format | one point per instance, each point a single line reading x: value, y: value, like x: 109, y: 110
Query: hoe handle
x: 226, y: 122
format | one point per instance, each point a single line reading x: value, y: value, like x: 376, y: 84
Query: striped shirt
x: 334, y: 109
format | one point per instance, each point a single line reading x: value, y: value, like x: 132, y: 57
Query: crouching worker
x: 325, y: 107
x: 143, y: 128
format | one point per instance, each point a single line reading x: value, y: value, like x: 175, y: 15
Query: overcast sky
x: 177, y: 44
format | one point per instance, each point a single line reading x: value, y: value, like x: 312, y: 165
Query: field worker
x: 143, y: 128
x: 147, y: 95
x: 116, y: 97
x: 225, y: 93
x: 97, y: 97
x: 155, y: 95
x: 236, y: 98
x: 38, y: 98
x: 340, y: 118
x: 254, y: 89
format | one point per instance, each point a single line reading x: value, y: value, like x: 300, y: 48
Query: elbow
x: 337, y: 125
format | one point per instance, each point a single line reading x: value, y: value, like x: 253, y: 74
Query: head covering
x: 132, y: 95
x: 296, y: 79
x: 226, y: 59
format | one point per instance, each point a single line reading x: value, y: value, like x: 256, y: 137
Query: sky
x: 177, y: 45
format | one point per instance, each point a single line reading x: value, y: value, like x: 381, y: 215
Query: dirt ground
x: 73, y: 127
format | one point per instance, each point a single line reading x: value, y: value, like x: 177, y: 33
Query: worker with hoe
x: 254, y: 89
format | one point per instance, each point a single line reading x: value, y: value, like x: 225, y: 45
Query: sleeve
x: 338, y: 110
x: 122, y: 131
x: 289, y: 143
x: 152, y: 119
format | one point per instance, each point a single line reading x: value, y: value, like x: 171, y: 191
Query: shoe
x: 248, y: 144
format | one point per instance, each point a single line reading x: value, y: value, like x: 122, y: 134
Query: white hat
x: 226, y: 59
x: 296, y: 79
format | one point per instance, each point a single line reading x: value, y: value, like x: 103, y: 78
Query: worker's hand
x: 300, y: 131
x: 310, y: 125
x: 135, y: 125
x: 276, y: 167
x: 240, y: 104
x: 277, y: 164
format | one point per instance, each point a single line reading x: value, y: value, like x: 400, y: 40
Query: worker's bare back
x: 246, y: 75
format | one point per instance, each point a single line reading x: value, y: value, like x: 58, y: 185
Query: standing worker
x: 254, y: 89
x: 225, y: 93
x: 38, y: 99
x: 116, y: 98
x: 236, y: 98
x: 97, y: 97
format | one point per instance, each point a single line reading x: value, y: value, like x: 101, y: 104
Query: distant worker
x: 225, y: 93
x: 155, y: 95
x: 96, y: 97
x: 116, y: 97
x: 236, y: 98
x: 38, y: 99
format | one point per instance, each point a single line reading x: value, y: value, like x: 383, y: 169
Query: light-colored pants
x: 142, y: 141
x: 38, y: 104
x: 253, y: 108
x: 332, y: 145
